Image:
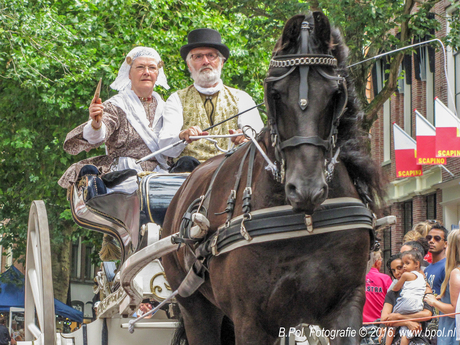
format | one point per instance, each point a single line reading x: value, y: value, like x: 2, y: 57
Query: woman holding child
x: 446, y: 302
x: 401, y: 303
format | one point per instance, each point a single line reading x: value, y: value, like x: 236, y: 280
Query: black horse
x: 268, y: 287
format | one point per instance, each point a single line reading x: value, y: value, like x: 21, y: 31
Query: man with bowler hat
x: 206, y: 102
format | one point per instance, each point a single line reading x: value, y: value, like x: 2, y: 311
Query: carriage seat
x: 156, y: 192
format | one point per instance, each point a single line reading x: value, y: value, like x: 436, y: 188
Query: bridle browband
x: 303, y: 60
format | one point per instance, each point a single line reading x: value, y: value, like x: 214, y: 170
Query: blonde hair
x: 412, y: 235
x: 452, y: 257
x: 422, y: 228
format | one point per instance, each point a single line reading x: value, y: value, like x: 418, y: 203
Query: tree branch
x: 371, y: 111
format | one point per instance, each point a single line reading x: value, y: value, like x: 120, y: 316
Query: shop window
x: 431, y: 206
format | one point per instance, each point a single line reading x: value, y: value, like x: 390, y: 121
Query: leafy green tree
x: 51, y: 55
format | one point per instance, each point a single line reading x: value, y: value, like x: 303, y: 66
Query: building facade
x: 436, y: 194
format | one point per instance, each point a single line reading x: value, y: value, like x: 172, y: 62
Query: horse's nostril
x: 291, y: 190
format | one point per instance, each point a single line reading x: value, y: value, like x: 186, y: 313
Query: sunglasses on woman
x: 436, y: 238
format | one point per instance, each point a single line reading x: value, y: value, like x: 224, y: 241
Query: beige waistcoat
x: 194, y: 113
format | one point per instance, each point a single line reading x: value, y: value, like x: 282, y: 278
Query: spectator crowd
x: 422, y: 286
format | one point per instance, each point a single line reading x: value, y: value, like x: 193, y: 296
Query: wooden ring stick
x: 96, y: 97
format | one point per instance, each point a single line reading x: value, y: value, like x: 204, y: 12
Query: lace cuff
x: 92, y: 136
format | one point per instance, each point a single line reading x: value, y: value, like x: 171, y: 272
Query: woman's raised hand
x: 96, y: 110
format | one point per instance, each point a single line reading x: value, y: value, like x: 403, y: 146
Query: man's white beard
x: 206, y: 77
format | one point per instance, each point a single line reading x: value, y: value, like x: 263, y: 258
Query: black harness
x: 303, y: 60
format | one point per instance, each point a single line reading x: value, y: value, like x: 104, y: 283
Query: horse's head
x: 305, y: 97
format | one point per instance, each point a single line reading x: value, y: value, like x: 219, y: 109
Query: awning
x: 12, y: 295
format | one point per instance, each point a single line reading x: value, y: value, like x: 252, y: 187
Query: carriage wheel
x: 39, y: 296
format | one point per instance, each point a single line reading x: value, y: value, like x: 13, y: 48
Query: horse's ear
x: 291, y: 33
x: 322, y: 29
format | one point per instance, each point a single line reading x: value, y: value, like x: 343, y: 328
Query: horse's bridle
x: 303, y: 60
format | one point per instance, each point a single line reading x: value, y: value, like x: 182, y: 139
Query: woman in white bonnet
x: 128, y: 123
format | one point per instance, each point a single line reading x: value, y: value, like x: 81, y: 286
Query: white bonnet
x: 123, y: 82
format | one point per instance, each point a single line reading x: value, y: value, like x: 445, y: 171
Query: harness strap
x: 297, y: 140
x: 248, y: 190
x: 232, y: 197
x: 280, y: 222
x: 304, y: 69
x: 303, y: 87
x: 272, y: 79
x: 206, y: 197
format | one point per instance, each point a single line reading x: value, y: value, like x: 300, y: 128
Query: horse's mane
x: 353, y: 141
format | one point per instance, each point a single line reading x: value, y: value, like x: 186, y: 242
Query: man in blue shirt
x: 435, y: 273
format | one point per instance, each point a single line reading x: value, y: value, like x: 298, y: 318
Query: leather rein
x: 303, y: 60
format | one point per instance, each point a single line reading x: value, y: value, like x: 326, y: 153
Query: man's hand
x: 413, y: 326
x: 237, y: 140
x: 431, y: 299
x: 95, y: 112
x: 191, y: 132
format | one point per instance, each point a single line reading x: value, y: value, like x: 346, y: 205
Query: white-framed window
x: 428, y: 76
x: 81, y: 267
x: 407, y: 87
x: 401, y: 79
x: 380, y: 67
x: 75, y: 266
x: 423, y: 60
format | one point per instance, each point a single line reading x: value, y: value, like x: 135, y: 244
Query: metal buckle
x: 309, y: 223
x: 214, y: 245
x: 243, y: 230
x: 282, y: 171
x: 248, y: 190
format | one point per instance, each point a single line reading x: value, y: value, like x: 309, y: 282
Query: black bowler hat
x: 204, y: 38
